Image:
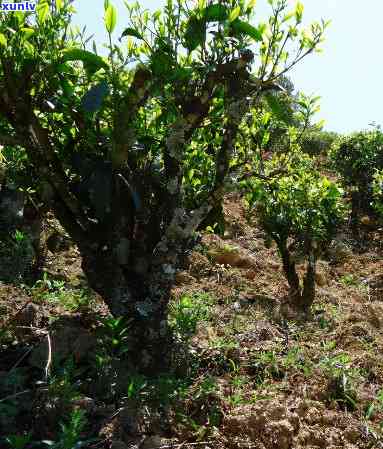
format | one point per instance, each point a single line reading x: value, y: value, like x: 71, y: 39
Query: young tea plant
x: 19, y: 441
x: 375, y: 407
x: 70, y: 436
x: 114, y: 335
x: 188, y: 311
x: 300, y: 211
x: 342, y: 380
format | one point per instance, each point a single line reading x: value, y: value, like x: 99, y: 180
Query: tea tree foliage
x: 113, y: 142
x: 377, y: 187
x: 300, y: 210
x: 359, y: 158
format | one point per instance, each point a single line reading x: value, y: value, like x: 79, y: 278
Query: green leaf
x: 106, y: 4
x: 161, y: 63
x: 251, y: 5
x: 3, y: 40
x: 110, y: 18
x: 235, y: 14
x: 240, y: 27
x: 59, y: 5
x: 76, y: 54
x: 299, y: 12
x: 131, y: 32
x: 288, y: 16
x: 42, y: 11
x: 20, y: 17
x: 28, y: 32
x: 216, y: 13
x: 278, y: 108
x: 195, y: 33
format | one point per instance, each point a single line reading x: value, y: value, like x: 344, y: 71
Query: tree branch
x: 136, y: 96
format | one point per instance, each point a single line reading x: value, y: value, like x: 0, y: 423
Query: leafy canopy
x: 299, y: 204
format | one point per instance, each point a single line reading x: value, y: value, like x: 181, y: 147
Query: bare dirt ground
x: 262, y: 378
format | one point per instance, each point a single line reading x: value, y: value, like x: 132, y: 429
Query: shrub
x: 377, y: 188
x: 357, y: 157
x: 300, y: 211
x: 316, y: 142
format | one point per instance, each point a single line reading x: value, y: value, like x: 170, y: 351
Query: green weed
x: 55, y: 291
x: 375, y: 406
x: 188, y: 311
x: 342, y: 380
x: 18, y: 441
x: 70, y: 432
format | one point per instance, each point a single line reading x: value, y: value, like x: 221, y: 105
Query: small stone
x: 320, y: 278
x: 233, y: 258
x: 237, y: 306
x: 366, y: 220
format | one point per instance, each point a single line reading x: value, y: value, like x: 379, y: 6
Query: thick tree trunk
x: 356, y: 208
x: 302, y: 299
x: 290, y: 271
x: 143, y: 301
x: 308, y: 294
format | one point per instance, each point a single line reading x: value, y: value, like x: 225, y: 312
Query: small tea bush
x: 300, y: 210
x: 358, y: 158
x: 377, y: 188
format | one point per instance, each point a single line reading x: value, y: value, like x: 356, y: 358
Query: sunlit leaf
x: 42, y: 11
x: 241, y: 27
x: 201, y: 4
x: 59, y: 5
x: 3, y: 40
x: 76, y: 54
x: 288, y: 16
x: 20, y: 16
x: 251, y: 5
x: 299, y: 12
x: 28, y: 32
x: 110, y: 18
x: 235, y: 14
